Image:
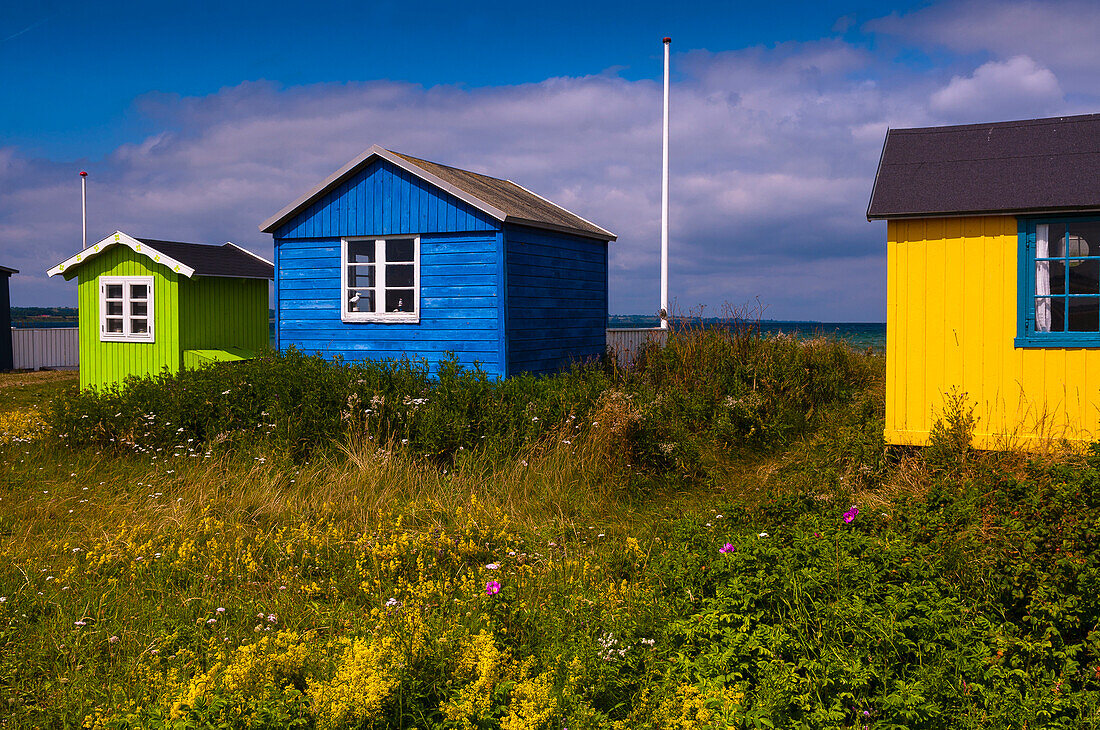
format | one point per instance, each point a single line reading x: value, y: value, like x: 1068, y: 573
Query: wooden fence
x: 46, y: 347
x: 56, y: 347
x: 625, y: 343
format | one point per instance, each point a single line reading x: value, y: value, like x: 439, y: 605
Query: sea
x: 858, y: 334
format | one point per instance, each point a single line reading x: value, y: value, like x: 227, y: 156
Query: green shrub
x: 707, y: 391
x: 952, y: 432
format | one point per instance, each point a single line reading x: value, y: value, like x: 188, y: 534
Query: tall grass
x: 665, y: 547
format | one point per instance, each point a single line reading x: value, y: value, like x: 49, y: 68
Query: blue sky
x: 72, y: 70
x: 199, y: 120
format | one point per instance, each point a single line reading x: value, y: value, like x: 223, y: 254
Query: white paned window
x: 380, y: 279
x: 126, y: 308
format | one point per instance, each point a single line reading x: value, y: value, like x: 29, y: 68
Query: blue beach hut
x: 393, y: 255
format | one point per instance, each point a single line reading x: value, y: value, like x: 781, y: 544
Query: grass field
x: 734, y: 548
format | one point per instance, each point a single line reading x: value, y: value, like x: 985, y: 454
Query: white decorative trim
x: 115, y: 239
x: 253, y: 255
x: 127, y: 334
x: 381, y: 317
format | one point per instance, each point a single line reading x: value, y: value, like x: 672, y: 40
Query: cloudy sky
x: 197, y: 121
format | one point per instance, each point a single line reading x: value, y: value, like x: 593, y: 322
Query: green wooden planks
x: 103, y: 363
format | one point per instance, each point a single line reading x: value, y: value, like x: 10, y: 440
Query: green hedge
x: 707, y: 389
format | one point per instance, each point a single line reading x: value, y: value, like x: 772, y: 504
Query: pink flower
x: 492, y: 588
x: 727, y: 548
x: 851, y: 514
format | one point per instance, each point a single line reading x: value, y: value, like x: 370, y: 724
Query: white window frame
x: 127, y: 334
x: 383, y: 316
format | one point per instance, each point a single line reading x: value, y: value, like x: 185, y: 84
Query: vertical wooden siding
x: 218, y: 311
x: 46, y: 347
x: 381, y: 200
x: 103, y: 363
x: 460, y: 253
x: 557, y: 299
x: 951, y: 323
x: 459, y: 304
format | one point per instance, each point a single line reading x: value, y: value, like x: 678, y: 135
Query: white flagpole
x: 664, y: 202
x: 84, y: 208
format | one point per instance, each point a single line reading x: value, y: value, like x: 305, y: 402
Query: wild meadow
x: 717, y: 538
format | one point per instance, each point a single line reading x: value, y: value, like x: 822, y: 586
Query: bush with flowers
x: 707, y: 392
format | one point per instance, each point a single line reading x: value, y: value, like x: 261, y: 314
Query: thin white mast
x: 84, y: 208
x: 664, y: 201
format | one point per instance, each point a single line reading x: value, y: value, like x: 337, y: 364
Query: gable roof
x: 189, y: 259
x: 503, y: 200
x: 1028, y: 166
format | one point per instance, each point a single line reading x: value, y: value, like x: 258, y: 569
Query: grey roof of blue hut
x: 1002, y: 168
x: 504, y: 200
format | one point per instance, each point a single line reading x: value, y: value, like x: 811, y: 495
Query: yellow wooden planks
x: 951, y: 324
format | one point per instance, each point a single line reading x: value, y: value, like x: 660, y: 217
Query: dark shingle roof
x: 502, y: 199
x: 517, y: 202
x: 1030, y: 166
x: 208, y: 260
x: 7, y: 270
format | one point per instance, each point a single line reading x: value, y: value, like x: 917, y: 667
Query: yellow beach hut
x: 993, y: 259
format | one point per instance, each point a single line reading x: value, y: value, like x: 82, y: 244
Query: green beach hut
x: 146, y: 305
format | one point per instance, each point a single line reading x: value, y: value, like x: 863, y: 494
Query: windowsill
x: 360, y: 317
x: 105, y: 338
x: 1060, y: 340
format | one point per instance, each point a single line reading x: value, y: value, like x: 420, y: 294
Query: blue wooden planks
x: 557, y: 299
x: 384, y: 200
x: 459, y: 301
x: 511, y: 298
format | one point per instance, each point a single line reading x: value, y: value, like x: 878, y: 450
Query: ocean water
x: 858, y: 334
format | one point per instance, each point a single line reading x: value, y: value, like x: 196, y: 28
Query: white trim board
x: 253, y: 255
x: 120, y: 238
x: 376, y: 152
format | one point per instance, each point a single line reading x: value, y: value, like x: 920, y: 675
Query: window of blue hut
x: 380, y: 279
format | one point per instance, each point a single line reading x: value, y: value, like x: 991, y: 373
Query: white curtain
x: 1042, y: 278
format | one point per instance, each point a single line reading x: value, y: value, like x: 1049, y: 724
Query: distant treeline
x: 25, y: 312
x: 42, y: 316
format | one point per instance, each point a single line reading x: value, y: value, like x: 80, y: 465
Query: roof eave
x: 605, y: 236
x: 256, y: 256
x: 878, y: 171
x: 1061, y: 209
x: 119, y: 238
x: 235, y: 276
x: 362, y: 160
x: 600, y: 229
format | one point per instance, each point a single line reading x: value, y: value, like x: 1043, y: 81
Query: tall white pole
x: 84, y: 208
x: 664, y: 202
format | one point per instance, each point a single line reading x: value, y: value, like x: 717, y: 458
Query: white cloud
x: 1059, y: 34
x: 999, y: 90
x: 773, y: 155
